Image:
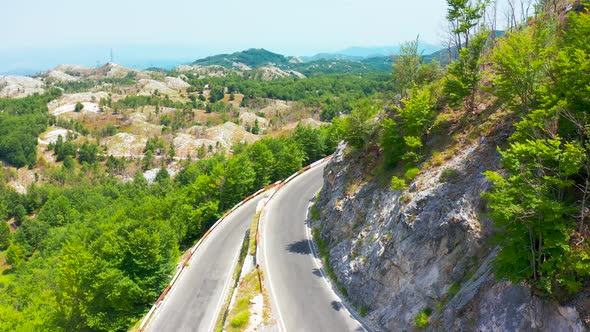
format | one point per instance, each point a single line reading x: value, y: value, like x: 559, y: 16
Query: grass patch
x: 240, y: 320
x: 239, y: 315
x: 253, y: 231
x: 315, y: 212
x: 453, y: 290
x: 223, y: 315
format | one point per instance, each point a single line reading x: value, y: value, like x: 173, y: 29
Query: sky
x: 41, y: 31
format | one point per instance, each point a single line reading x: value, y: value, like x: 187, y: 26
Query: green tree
x: 56, y: 212
x: 237, y: 182
x: 406, y: 67
x: 148, y: 160
x: 20, y: 214
x: 464, y: 16
x: 532, y: 217
x: 68, y: 163
x: 5, y: 235
x: 216, y: 93
x: 15, y: 255
x: 464, y: 75
x: 256, y: 128
x: 78, y: 107
x: 263, y: 163
x: 518, y: 64
x: 88, y: 153
x: 163, y: 177
x: 311, y: 142
x: 357, y: 127
x: 401, y: 135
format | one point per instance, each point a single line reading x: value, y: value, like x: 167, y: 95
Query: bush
x: 241, y: 319
x: 448, y: 175
x: 363, y: 311
x: 421, y: 320
x: 79, y: 106
x: 412, y: 173
x: 398, y: 184
x: 315, y: 213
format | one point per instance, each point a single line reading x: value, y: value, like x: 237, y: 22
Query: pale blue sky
x: 303, y: 27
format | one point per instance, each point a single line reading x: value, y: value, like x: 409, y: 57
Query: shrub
x: 315, y: 213
x: 421, y: 320
x: 79, y: 106
x: 448, y: 175
x: 398, y: 184
x: 363, y: 311
x: 412, y: 173
x: 241, y: 319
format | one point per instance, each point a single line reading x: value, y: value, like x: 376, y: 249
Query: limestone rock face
x: 400, y: 252
x: 19, y: 86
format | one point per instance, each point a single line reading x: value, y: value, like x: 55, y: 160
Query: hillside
x: 252, y: 58
x: 112, y: 158
x: 259, y: 61
x: 463, y: 207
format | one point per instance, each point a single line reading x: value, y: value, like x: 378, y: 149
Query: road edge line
x: 262, y: 220
x: 320, y: 265
x: 190, y: 253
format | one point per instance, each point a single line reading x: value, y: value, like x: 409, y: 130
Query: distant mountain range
x: 358, y: 53
x: 354, y: 59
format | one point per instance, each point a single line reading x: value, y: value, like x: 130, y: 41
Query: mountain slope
x: 253, y: 58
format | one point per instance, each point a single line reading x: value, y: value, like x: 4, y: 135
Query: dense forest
x: 21, y: 122
x: 98, y: 252
x: 331, y: 94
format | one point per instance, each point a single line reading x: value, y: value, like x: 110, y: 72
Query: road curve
x: 196, y: 298
x: 301, y: 298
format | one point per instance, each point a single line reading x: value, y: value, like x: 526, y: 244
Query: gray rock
x: 400, y: 252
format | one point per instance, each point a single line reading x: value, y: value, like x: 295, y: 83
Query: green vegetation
x: 412, y: 173
x: 448, y: 175
x: 538, y: 204
x: 78, y: 107
x: 422, y: 318
x: 363, y: 311
x: 256, y: 58
x: 93, y: 235
x: 239, y: 315
x: 398, y: 184
x: 21, y: 123
x: 252, y: 58
x: 315, y: 212
x: 225, y: 314
x: 253, y: 242
x: 538, y: 81
x: 93, y: 253
x: 331, y: 94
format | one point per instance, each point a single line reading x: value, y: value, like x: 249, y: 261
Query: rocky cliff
x: 426, y: 250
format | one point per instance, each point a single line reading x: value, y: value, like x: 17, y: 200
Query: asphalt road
x: 195, y: 300
x: 302, y: 299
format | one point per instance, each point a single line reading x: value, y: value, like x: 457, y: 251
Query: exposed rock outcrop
x: 398, y: 253
x: 19, y: 86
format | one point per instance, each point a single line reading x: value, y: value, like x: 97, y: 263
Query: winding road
x: 197, y: 296
x: 302, y: 299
